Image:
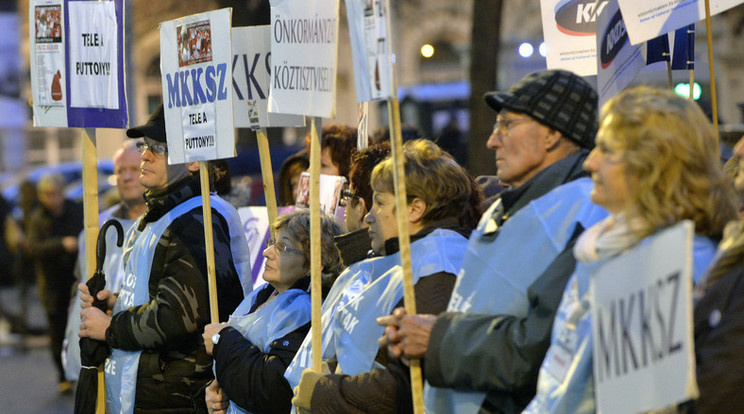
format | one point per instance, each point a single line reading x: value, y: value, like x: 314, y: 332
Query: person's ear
x: 361, y: 208
x: 416, y: 210
x: 552, y: 138
x: 193, y: 166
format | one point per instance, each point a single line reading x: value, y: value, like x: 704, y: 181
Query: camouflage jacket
x: 174, y: 364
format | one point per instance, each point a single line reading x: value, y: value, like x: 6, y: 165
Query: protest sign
x: 369, y: 29
x: 256, y: 229
x: 251, y: 69
x: 642, y: 325
x: 77, y: 72
x: 619, y: 61
x: 648, y: 19
x: 304, y: 50
x: 195, y: 59
x: 569, y: 29
x: 330, y: 192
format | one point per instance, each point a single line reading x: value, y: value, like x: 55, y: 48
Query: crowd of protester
x: 500, y: 266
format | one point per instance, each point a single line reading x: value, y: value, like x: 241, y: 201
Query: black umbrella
x: 93, y: 353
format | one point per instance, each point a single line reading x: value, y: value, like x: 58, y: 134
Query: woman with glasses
x: 439, y: 190
x: 253, y: 349
x: 655, y: 164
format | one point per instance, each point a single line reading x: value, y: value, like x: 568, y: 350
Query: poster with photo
x: 77, y: 63
x: 330, y: 192
x: 196, y: 67
x: 369, y: 31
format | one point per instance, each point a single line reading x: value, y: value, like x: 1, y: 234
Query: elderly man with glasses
x: 158, y: 361
x: 483, y: 355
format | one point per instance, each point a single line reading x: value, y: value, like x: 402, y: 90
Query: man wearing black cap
x: 158, y: 362
x: 483, y: 355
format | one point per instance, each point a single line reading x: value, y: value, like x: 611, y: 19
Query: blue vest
x: 355, y: 325
x: 121, y: 366
x: 113, y: 269
x: 496, y: 273
x: 287, y: 312
x: 571, y: 389
x: 347, y: 286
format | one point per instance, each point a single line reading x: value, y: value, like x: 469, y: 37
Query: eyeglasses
x: 280, y: 248
x: 347, y: 195
x: 504, y: 125
x: 156, y: 149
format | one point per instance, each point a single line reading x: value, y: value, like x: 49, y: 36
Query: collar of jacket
x: 261, y: 297
x: 160, y: 202
x: 353, y: 246
x: 560, y: 172
x: 392, y: 245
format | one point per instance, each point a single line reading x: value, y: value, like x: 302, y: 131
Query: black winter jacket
x: 174, y: 364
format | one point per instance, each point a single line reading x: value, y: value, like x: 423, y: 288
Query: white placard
x: 195, y: 61
x: 48, y: 69
x: 93, y: 51
x: 369, y: 29
x: 642, y: 325
x: 619, y: 61
x: 569, y: 29
x: 330, y: 192
x: 251, y: 69
x: 304, y: 50
x: 651, y: 18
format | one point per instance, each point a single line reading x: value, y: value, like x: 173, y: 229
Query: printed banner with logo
x: 195, y: 62
x: 650, y: 18
x: 369, y: 29
x: 569, y: 29
x: 619, y: 61
x: 304, y: 54
x: 642, y: 325
x: 251, y: 69
x: 77, y: 63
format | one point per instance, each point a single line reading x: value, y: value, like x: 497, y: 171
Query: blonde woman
x: 655, y: 164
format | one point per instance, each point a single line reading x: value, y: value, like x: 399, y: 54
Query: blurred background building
x: 447, y: 55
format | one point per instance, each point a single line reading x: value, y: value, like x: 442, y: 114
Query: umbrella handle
x: 101, y: 243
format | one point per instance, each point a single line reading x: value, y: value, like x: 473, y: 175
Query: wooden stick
x: 90, y: 216
x: 713, y: 96
x: 214, y: 310
x: 404, y: 242
x: 267, y: 174
x: 692, y: 84
x: 315, y: 277
x: 669, y: 74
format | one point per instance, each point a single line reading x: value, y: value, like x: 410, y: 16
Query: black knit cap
x: 558, y: 99
x: 154, y: 128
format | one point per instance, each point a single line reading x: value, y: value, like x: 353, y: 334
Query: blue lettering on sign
x: 186, y: 88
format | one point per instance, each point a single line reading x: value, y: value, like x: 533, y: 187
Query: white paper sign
x: 569, y: 29
x: 77, y: 61
x: 251, y: 69
x: 48, y: 54
x: 369, y: 29
x: 619, y: 61
x: 304, y: 50
x: 93, y: 68
x: 330, y: 192
x: 195, y: 61
x: 650, y: 18
x: 642, y: 325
